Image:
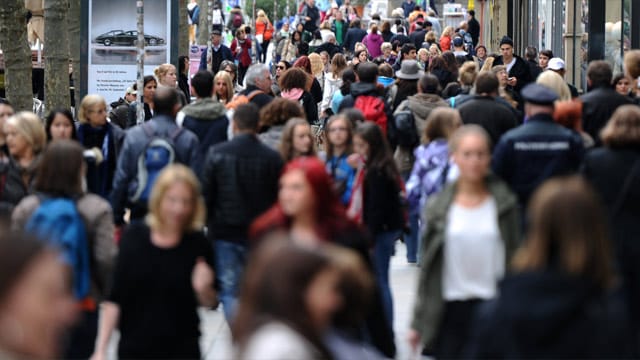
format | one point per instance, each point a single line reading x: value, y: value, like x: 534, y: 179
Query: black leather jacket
x: 240, y: 182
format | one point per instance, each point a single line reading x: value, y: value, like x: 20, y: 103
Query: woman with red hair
x: 310, y: 212
x: 315, y: 89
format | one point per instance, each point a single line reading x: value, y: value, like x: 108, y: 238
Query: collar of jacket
x: 205, y: 109
x: 161, y: 118
x: 541, y: 117
x: 505, y: 200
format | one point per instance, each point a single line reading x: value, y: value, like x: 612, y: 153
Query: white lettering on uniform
x: 541, y: 145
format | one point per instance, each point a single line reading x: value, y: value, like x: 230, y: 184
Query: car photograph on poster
x: 126, y: 38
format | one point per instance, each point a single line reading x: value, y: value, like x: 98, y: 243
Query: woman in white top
x: 472, y: 230
x: 332, y: 82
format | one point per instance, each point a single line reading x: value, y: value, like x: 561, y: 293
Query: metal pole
x: 575, y: 63
x: 140, y: 62
x: 210, y: 30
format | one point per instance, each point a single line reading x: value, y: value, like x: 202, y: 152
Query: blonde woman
x: 156, y: 311
x: 264, y: 33
x: 167, y: 75
x: 317, y: 68
x: 25, y: 139
x: 104, y: 139
x: 446, y: 38
x: 556, y: 83
x: 472, y: 233
x: 223, y: 87
x: 505, y: 91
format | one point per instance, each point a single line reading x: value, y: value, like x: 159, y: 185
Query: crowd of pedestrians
x: 278, y: 194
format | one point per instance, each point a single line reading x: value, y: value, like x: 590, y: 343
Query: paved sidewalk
x: 216, y: 338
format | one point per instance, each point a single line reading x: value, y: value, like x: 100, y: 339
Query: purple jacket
x: 428, y: 174
x: 373, y: 42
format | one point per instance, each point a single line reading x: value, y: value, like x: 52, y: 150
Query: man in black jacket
x: 518, y: 70
x: 537, y: 150
x: 240, y: 182
x: 601, y: 101
x: 354, y: 34
x: 473, y: 27
x: 310, y: 16
x: 485, y: 111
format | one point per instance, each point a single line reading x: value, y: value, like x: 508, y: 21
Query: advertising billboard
x: 112, y: 38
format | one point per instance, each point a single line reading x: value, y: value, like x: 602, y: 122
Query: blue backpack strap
x: 452, y: 101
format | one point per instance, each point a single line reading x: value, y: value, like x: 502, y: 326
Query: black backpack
x: 406, y: 130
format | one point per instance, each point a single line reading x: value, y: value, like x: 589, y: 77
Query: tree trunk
x: 183, y: 29
x: 17, y: 54
x: 205, y: 23
x: 73, y: 24
x: 56, y: 45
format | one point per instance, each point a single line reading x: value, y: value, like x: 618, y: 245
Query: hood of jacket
x: 376, y: 38
x: 205, y: 109
x: 385, y: 81
x: 361, y: 88
x: 422, y: 104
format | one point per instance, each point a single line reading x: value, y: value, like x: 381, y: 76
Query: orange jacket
x: 265, y: 28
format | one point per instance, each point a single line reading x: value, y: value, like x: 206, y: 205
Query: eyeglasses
x: 280, y: 67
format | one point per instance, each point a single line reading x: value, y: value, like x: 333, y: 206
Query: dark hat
x: 506, y: 40
x: 457, y: 41
x: 409, y: 70
x: 538, y: 94
x: 216, y: 32
x: 427, y: 24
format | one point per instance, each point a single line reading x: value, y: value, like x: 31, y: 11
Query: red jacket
x: 244, y: 56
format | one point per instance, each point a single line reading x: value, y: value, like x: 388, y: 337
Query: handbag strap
x: 625, y: 188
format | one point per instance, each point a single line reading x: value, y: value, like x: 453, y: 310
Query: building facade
x: 576, y: 30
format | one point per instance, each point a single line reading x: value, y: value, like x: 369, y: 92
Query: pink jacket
x: 373, y: 42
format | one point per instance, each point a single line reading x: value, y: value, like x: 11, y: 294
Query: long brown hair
x: 286, y: 142
x: 274, y: 289
x: 60, y: 170
x: 568, y: 232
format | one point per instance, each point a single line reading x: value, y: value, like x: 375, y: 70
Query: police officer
x: 537, y: 150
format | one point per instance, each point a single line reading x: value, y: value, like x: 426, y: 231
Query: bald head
x: 166, y: 101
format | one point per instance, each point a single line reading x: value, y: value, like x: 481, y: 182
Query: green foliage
x: 268, y: 7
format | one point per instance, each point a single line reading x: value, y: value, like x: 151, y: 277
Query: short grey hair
x: 254, y: 72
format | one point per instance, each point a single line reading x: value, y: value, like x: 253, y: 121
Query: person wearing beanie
x: 517, y: 68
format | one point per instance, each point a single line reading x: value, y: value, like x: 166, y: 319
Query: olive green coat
x: 429, y: 302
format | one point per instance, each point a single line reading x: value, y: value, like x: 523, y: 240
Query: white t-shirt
x: 510, y: 64
x: 474, y: 255
x: 277, y: 341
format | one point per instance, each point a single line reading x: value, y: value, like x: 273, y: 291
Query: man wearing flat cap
x: 219, y: 53
x: 537, y: 150
x: 517, y: 68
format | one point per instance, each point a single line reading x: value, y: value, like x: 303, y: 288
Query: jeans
x: 230, y: 260
x: 382, y: 252
x: 412, y: 239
